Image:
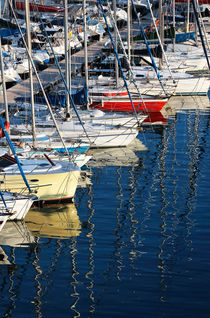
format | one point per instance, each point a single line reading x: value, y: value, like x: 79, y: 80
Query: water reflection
x: 16, y: 234
x: 124, y: 156
x: 56, y: 221
x: 135, y: 250
x: 91, y: 243
x: 177, y: 220
x: 3, y: 257
x: 155, y: 118
x: 182, y: 103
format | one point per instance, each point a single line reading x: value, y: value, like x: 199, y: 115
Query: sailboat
x: 34, y: 7
x: 129, y: 103
x: 97, y: 135
x: 179, y: 58
x: 48, y: 180
x: 124, y: 104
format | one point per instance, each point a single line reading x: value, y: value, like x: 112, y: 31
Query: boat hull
x: 48, y: 187
x: 18, y: 206
x: 105, y: 139
x: 124, y: 105
x: 20, y: 5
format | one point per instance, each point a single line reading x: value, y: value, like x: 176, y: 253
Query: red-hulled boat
x: 124, y: 104
x: 20, y: 5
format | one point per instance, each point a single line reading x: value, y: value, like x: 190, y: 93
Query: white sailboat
x: 180, y: 83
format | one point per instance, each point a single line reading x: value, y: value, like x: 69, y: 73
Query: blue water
x: 136, y: 242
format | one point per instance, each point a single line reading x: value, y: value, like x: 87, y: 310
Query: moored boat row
x: 41, y: 135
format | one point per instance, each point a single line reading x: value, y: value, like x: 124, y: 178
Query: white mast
x: 129, y: 29
x: 85, y: 50
x: 28, y: 30
x: 174, y: 25
x: 161, y: 28
x: 188, y: 16
x: 66, y: 56
x: 3, y: 84
x: 116, y: 46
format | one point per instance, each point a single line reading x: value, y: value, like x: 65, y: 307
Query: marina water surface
x: 136, y: 241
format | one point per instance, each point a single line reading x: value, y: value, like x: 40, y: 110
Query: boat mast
x: 161, y: 44
x: 161, y: 30
x: 116, y: 54
x: 3, y: 84
x: 202, y: 25
x: 85, y: 52
x: 129, y: 31
x: 116, y: 44
x: 200, y: 32
x: 188, y: 16
x: 40, y: 83
x: 14, y: 153
x: 70, y: 35
x: 174, y: 23
x: 66, y: 40
x: 28, y: 33
x: 148, y: 48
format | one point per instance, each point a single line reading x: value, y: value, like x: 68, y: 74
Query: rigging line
x: 37, y: 76
x: 2, y: 197
x: 200, y: 32
x: 202, y: 23
x: 148, y: 48
x: 14, y: 153
x: 161, y: 44
x: 32, y: 62
x: 119, y: 63
x: 129, y: 64
x: 42, y: 88
x: 62, y: 76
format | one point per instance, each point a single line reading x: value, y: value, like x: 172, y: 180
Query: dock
x: 51, y: 75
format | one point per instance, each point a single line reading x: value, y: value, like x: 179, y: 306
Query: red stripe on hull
x: 116, y: 94
x: 34, y: 7
x: 126, y: 106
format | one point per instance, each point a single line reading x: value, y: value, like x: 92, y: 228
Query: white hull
x: 18, y: 205
x: 185, y: 84
x: 112, y: 137
x: 100, y: 118
x: 193, y: 86
x: 97, y: 135
x: 11, y: 75
x: 189, y: 86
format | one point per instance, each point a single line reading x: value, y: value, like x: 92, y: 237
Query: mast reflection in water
x: 136, y: 241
